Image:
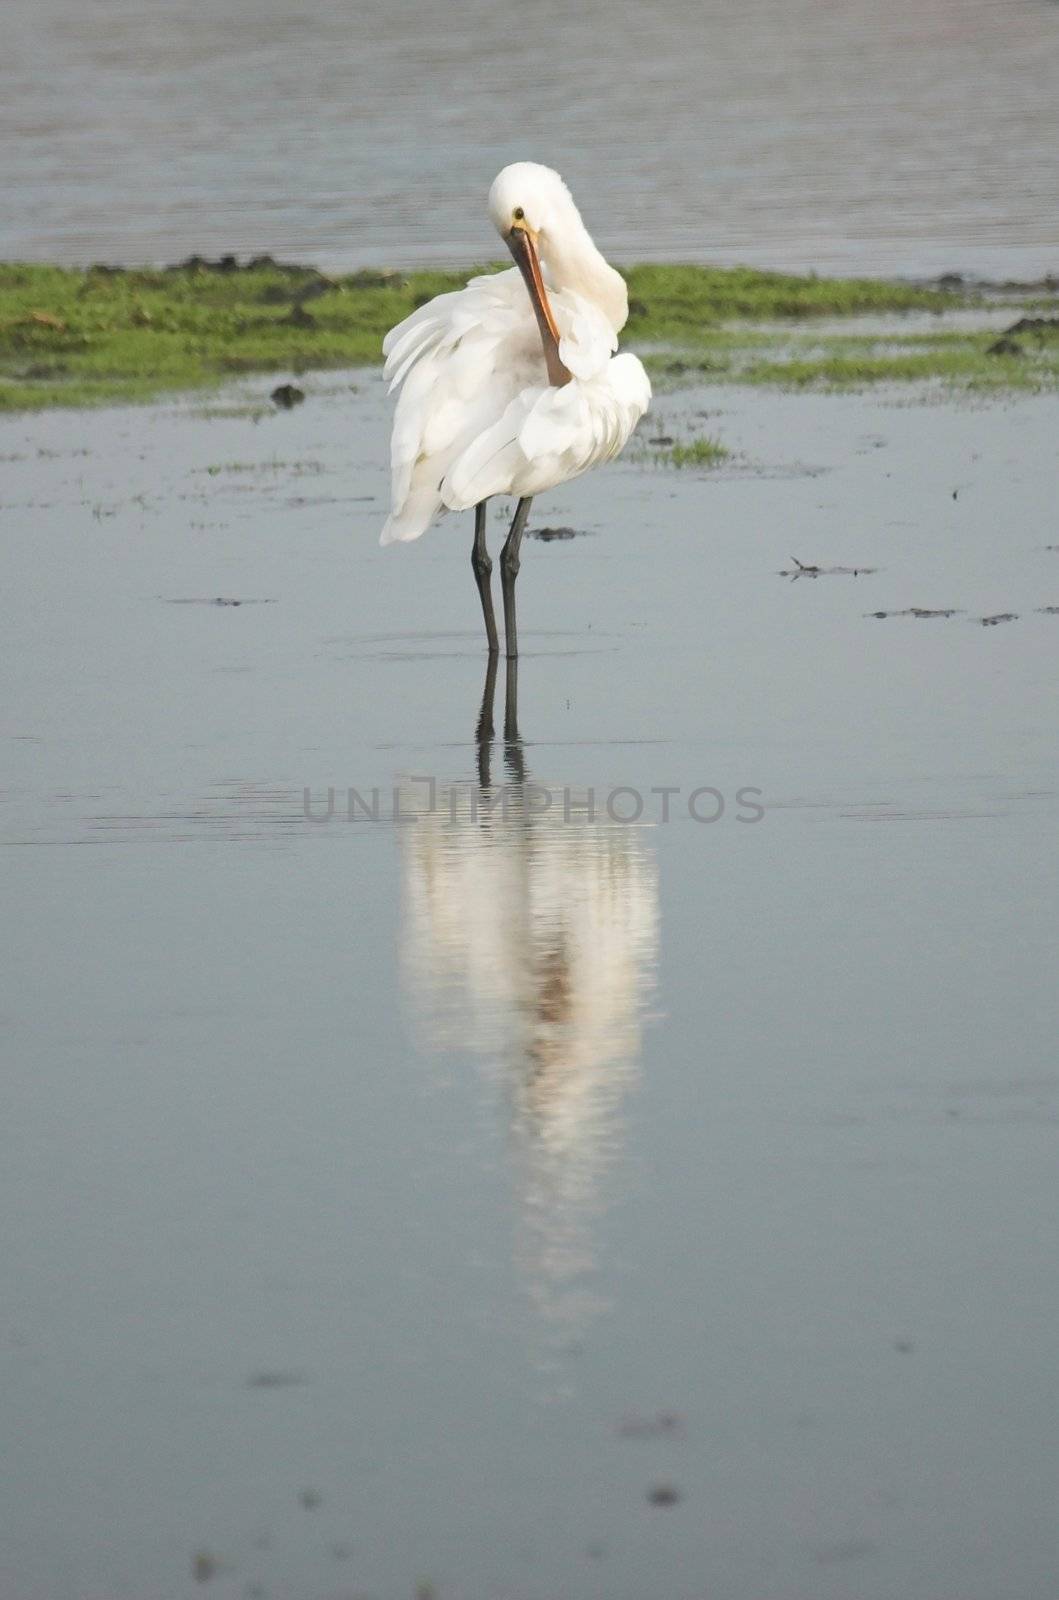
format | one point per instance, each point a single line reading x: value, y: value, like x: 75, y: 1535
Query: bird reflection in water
x: 530, y: 936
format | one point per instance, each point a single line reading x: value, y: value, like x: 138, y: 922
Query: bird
x: 513, y: 384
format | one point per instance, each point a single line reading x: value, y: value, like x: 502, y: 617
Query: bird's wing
x: 487, y: 306
x: 461, y: 359
x: 547, y: 436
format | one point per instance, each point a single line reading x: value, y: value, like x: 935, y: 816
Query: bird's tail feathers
x: 413, y: 519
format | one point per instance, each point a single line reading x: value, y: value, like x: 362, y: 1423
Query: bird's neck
x: 574, y: 263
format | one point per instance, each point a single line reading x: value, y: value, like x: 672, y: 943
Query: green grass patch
x: 81, y: 338
x: 967, y: 361
x: 679, y: 305
x: 958, y: 360
x: 703, y: 452
x: 75, y: 338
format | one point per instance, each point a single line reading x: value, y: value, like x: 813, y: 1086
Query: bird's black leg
x: 509, y: 565
x: 483, y: 567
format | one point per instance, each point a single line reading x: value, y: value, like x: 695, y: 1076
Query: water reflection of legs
x: 513, y: 754
x: 484, y: 728
x: 483, y: 733
x: 528, y: 940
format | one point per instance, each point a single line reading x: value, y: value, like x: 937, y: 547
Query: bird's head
x: 532, y: 200
x: 534, y: 213
x: 528, y: 204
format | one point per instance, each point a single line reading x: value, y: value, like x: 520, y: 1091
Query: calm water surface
x: 913, y: 137
x: 402, y: 1202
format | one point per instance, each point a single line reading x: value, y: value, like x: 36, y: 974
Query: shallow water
x: 400, y: 1203
x: 916, y: 137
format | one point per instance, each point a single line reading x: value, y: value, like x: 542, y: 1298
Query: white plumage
x: 479, y: 414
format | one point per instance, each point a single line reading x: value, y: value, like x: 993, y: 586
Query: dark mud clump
x: 663, y: 1494
x: 999, y: 616
x: 220, y: 600
x: 382, y: 278
x: 278, y: 294
x: 1038, y: 328
x: 205, y: 1566
x: 310, y: 1499
x: 959, y: 280
x: 227, y: 264
x: 197, y: 263
x: 546, y: 535
x: 915, y: 611
x: 287, y: 396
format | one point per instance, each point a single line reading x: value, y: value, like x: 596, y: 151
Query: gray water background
x: 323, y: 1273
x: 318, y: 1259
x: 914, y: 137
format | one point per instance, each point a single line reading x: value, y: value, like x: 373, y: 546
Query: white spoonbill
x: 512, y: 385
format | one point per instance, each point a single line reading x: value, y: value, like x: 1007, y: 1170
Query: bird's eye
x: 519, y: 214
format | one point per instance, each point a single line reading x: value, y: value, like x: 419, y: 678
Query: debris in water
x: 310, y: 1499
x: 205, y: 1566
x: 662, y: 1424
x: 548, y: 534
x: 287, y: 395
x: 800, y: 570
x: 915, y: 611
x: 663, y: 1494
x: 1001, y: 616
x: 218, y: 600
